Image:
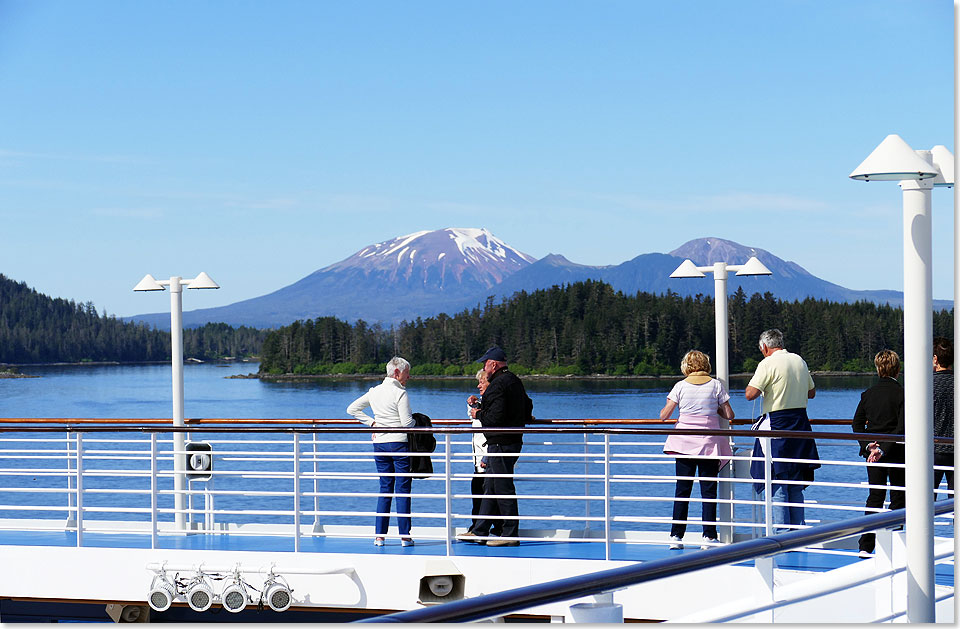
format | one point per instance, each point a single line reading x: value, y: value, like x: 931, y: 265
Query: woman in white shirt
x: 391, y: 408
x: 702, y: 401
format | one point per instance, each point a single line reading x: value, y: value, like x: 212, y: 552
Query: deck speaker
x: 441, y: 582
x: 199, y: 463
x: 119, y: 612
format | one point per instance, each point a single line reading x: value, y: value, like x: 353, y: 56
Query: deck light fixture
x: 162, y: 593
x: 176, y: 284
x: 277, y: 595
x: 199, y: 594
x: 917, y: 172
x: 688, y: 269
x: 234, y: 596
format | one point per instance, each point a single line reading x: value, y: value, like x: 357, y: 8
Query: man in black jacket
x: 505, y: 405
x: 942, y: 410
x: 881, y: 411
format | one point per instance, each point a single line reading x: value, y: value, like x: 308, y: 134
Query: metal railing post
x: 586, y: 480
x: 316, y: 486
x: 71, y: 514
x: 296, y: 492
x: 79, y: 489
x: 884, y: 593
x: 190, y: 507
x: 606, y: 495
x: 448, y: 492
x: 208, y: 505
x: 767, y: 486
x: 764, y: 567
x: 153, y: 490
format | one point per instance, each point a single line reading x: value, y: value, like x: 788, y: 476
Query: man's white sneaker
x: 709, y: 542
x: 676, y: 543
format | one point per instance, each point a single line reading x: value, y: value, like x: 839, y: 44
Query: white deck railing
x: 598, y: 485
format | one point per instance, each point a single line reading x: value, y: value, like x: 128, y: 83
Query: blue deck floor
x: 545, y: 549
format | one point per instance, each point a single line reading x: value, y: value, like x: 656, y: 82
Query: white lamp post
x: 918, y: 172
x: 176, y: 285
x: 753, y: 266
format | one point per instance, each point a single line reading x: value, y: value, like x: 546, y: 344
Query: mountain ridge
x: 426, y: 273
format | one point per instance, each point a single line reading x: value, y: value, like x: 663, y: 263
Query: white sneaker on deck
x: 709, y: 542
x: 676, y: 543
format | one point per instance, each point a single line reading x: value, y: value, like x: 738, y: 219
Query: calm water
x: 144, y: 391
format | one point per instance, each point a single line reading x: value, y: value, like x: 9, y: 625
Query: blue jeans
x: 787, y: 514
x: 393, y: 465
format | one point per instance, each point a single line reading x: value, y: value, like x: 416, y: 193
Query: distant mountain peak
x: 706, y: 251
x: 439, y: 257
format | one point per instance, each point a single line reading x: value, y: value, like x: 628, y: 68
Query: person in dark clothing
x: 479, y: 443
x: 943, y: 409
x: 505, y: 405
x: 881, y: 411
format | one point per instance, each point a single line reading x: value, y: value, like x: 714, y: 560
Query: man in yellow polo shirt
x: 784, y: 381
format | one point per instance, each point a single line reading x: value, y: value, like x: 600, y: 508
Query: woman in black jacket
x: 881, y: 411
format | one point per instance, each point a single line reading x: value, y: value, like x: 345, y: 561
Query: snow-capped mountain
x: 455, y: 257
x: 417, y: 275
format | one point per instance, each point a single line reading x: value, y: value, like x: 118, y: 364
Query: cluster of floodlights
x: 235, y: 595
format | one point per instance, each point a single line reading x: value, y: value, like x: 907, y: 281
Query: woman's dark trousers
x: 878, y: 475
x: 707, y: 470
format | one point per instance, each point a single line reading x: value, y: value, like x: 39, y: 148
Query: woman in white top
x: 702, y: 401
x: 391, y: 408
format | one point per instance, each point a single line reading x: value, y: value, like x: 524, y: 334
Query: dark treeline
x: 35, y: 328
x: 587, y: 328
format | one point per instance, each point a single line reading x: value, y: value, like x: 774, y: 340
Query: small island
x: 7, y: 371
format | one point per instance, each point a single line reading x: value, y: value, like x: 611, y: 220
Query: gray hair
x: 480, y: 374
x: 397, y: 363
x: 773, y: 339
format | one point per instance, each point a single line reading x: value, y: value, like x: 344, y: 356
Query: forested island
x: 588, y: 328
x: 579, y: 329
x: 35, y: 328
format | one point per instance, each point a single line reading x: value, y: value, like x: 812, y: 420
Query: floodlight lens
x: 200, y: 597
x: 234, y: 600
x: 278, y: 597
x: 161, y: 595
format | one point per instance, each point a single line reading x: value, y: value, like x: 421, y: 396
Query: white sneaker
x: 406, y: 541
x: 676, y: 543
x: 709, y: 542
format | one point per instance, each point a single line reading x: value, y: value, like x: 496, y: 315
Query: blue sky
x: 261, y: 141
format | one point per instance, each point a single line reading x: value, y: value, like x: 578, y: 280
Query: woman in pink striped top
x: 702, y: 401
